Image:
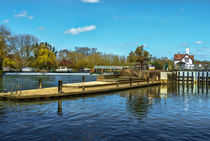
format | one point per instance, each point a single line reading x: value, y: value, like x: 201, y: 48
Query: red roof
x: 181, y: 56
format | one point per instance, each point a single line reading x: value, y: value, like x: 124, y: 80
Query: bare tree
x: 23, y: 45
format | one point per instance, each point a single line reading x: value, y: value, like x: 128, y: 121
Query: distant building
x: 184, y: 61
x: 27, y: 69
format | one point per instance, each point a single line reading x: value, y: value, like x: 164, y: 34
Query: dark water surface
x: 153, y: 113
x: 31, y: 80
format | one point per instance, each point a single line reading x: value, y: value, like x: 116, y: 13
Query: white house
x: 184, y: 60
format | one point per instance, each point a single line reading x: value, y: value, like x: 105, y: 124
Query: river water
x: 154, y: 113
x: 12, y: 81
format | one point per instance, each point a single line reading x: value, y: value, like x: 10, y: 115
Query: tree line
x: 25, y: 50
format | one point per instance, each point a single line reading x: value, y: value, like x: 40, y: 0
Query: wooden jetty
x: 196, y: 77
x: 76, y: 89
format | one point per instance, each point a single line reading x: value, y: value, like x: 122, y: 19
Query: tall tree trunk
x: 1, y: 66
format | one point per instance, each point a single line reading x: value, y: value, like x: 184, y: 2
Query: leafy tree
x: 140, y: 57
x: 45, y: 58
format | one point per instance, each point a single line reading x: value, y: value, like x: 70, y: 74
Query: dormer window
x: 187, y: 60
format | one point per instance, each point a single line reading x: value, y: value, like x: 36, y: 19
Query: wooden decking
x: 72, y: 90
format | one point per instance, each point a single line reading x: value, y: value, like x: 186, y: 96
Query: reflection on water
x: 59, y: 112
x: 167, y: 112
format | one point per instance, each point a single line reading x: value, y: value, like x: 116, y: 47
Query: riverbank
x: 84, y: 89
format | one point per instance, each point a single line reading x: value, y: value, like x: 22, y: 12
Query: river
x: 166, y: 112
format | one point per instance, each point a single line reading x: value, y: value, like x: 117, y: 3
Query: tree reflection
x: 1, y: 83
x: 140, y: 100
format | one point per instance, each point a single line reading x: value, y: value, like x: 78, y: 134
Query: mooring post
x: 202, y: 77
x: 207, y: 78
x: 187, y: 77
x: 178, y: 77
x: 183, y: 77
x: 147, y: 79
x: 59, y: 86
x: 40, y: 83
x: 192, y: 77
x: 83, y: 79
x: 130, y: 81
x: 198, y: 77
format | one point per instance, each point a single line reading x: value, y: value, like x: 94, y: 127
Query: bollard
x: 147, y: 79
x: 130, y: 81
x: 83, y: 78
x: 40, y: 83
x: 59, y: 86
x: 83, y: 88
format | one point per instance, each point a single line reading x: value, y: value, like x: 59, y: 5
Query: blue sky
x: 165, y: 27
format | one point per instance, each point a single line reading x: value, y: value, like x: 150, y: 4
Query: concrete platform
x: 52, y: 92
x: 89, y: 84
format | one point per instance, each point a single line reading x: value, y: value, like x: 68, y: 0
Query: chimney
x: 187, y: 51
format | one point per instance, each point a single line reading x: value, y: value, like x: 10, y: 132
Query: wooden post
x: 59, y: 86
x: 198, y: 77
x: 187, y: 77
x: 207, y: 78
x: 183, y: 77
x: 130, y: 81
x: 178, y: 77
x: 40, y: 83
x: 147, y: 79
x: 202, y: 77
x: 192, y: 77
x: 83, y: 79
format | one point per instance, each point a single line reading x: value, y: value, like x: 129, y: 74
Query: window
x: 187, y: 60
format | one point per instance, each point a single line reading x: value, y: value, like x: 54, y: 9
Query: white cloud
x: 24, y: 14
x: 5, y: 21
x: 40, y: 28
x: 199, y: 42
x: 75, y: 31
x: 91, y: 1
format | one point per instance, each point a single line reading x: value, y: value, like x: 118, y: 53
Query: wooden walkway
x: 83, y: 88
